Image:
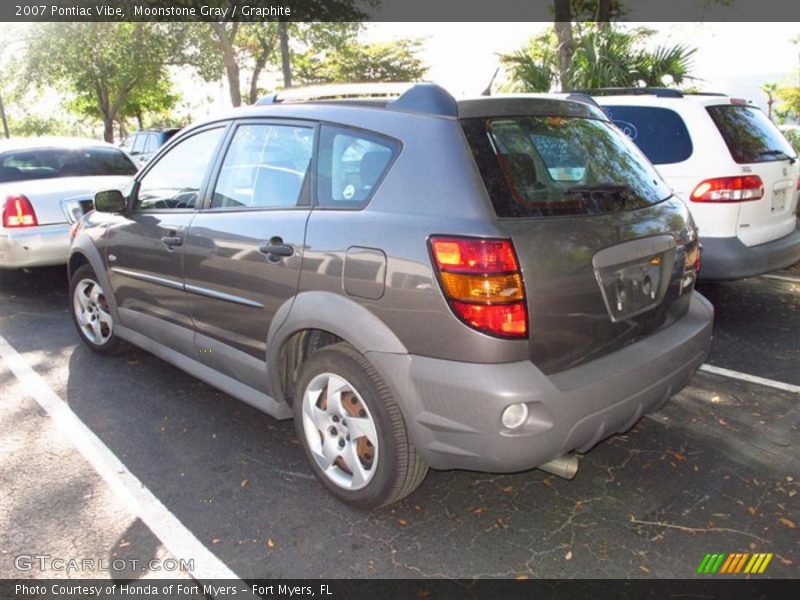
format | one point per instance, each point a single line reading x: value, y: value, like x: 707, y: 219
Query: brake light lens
x: 729, y: 189
x: 482, y: 282
x: 18, y: 212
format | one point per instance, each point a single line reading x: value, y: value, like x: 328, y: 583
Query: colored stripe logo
x: 736, y: 562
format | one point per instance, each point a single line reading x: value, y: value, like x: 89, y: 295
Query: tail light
x: 729, y: 189
x: 18, y: 212
x: 481, y: 280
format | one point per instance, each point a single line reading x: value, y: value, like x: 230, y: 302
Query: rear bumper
x: 729, y: 258
x: 453, y: 409
x: 40, y: 246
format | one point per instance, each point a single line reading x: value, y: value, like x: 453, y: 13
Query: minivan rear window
x: 659, y: 132
x: 749, y: 134
x: 536, y: 166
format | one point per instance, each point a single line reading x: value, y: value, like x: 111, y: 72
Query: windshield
x: 49, y: 163
x: 749, y: 134
x: 552, y: 166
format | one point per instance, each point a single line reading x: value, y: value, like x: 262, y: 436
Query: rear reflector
x: 483, y: 284
x: 18, y: 212
x: 729, y: 189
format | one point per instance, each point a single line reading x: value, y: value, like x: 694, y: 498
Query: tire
x: 90, y: 313
x: 336, y: 435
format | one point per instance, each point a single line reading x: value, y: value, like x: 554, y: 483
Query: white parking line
x: 175, y: 537
x: 788, y: 278
x: 778, y: 385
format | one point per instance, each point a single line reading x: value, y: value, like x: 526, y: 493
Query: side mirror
x: 110, y: 201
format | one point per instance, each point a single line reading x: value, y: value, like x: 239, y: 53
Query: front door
x: 145, y: 245
x: 243, y: 251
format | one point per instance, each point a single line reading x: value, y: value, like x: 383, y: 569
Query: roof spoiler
x: 424, y: 97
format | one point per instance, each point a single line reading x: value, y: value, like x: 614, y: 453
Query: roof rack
x: 408, y: 96
x: 637, y: 91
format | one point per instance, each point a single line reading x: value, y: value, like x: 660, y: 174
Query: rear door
x: 601, y: 244
x: 244, y: 250
x: 145, y: 245
x: 758, y: 147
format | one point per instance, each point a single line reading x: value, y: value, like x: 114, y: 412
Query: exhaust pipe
x: 565, y: 466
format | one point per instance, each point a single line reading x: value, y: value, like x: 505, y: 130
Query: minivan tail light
x: 482, y: 282
x: 742, y: 188
x: 18, y: 212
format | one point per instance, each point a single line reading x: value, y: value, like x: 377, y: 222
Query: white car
x: 46, y: 184
x: 737, y: 173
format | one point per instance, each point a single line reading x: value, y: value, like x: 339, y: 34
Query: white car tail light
x: 18, y: 212
x: 742, y: 188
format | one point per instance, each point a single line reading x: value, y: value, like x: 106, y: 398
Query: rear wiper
x: 781, y: 155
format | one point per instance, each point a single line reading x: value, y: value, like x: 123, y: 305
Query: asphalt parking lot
x: 718, y: 470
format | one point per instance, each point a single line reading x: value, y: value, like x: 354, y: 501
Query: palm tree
x: 771, y: 90
x: 604, y: 56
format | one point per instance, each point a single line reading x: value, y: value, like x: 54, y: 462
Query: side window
x: 265, y: 167
x: 151, y: 144
x: 138, y: 143
x: 660, y: 133
x: 175, y: 180
x: 351, y: 163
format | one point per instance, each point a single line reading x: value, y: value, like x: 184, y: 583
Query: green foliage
x: 789, y: 98
x: 108, y: 67
x: 533, y: 68
x: 793, y: 135
x: 357, y: 62
x: 606, y: 55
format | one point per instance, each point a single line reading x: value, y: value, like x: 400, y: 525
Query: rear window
x: 749, y: 134
x: 659, y: 132
x: 554, y: 166
x: 48, y: 163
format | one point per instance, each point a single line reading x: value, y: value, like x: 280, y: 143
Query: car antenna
x: 488, y: 90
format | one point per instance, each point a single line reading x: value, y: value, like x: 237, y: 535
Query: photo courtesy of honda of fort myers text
x: 344, y: 299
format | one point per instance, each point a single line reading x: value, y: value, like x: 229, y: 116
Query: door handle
x: 171, y: 241
x: 275, y: 249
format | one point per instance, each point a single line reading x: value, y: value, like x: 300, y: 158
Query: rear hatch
x: 759, y: 148
x: 607, y: 255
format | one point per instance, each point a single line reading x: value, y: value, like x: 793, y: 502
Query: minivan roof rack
x: 421, y: 97
x: 661, y: 92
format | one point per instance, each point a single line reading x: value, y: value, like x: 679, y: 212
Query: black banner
x: 383, y: 10
x: 388, y: 589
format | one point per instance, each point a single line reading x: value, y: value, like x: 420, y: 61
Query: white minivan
x: 737, y: 173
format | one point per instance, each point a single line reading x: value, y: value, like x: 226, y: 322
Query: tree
x: 230, y: 49
x: 104, y: 65
x: 789, y: 101
x: 770, y: 90
x: 357, y: 62
x: 603, y: 56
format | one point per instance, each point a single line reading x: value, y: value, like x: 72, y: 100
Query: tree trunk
x: 234, y: 80
x: 286, y: 61
x: 261, y: 62
x: 108, y: 128
x: 139, y: 119
x: 229, y: 60
x: 603, y: 15
x: 3, y: 118
x: 566, y: 43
